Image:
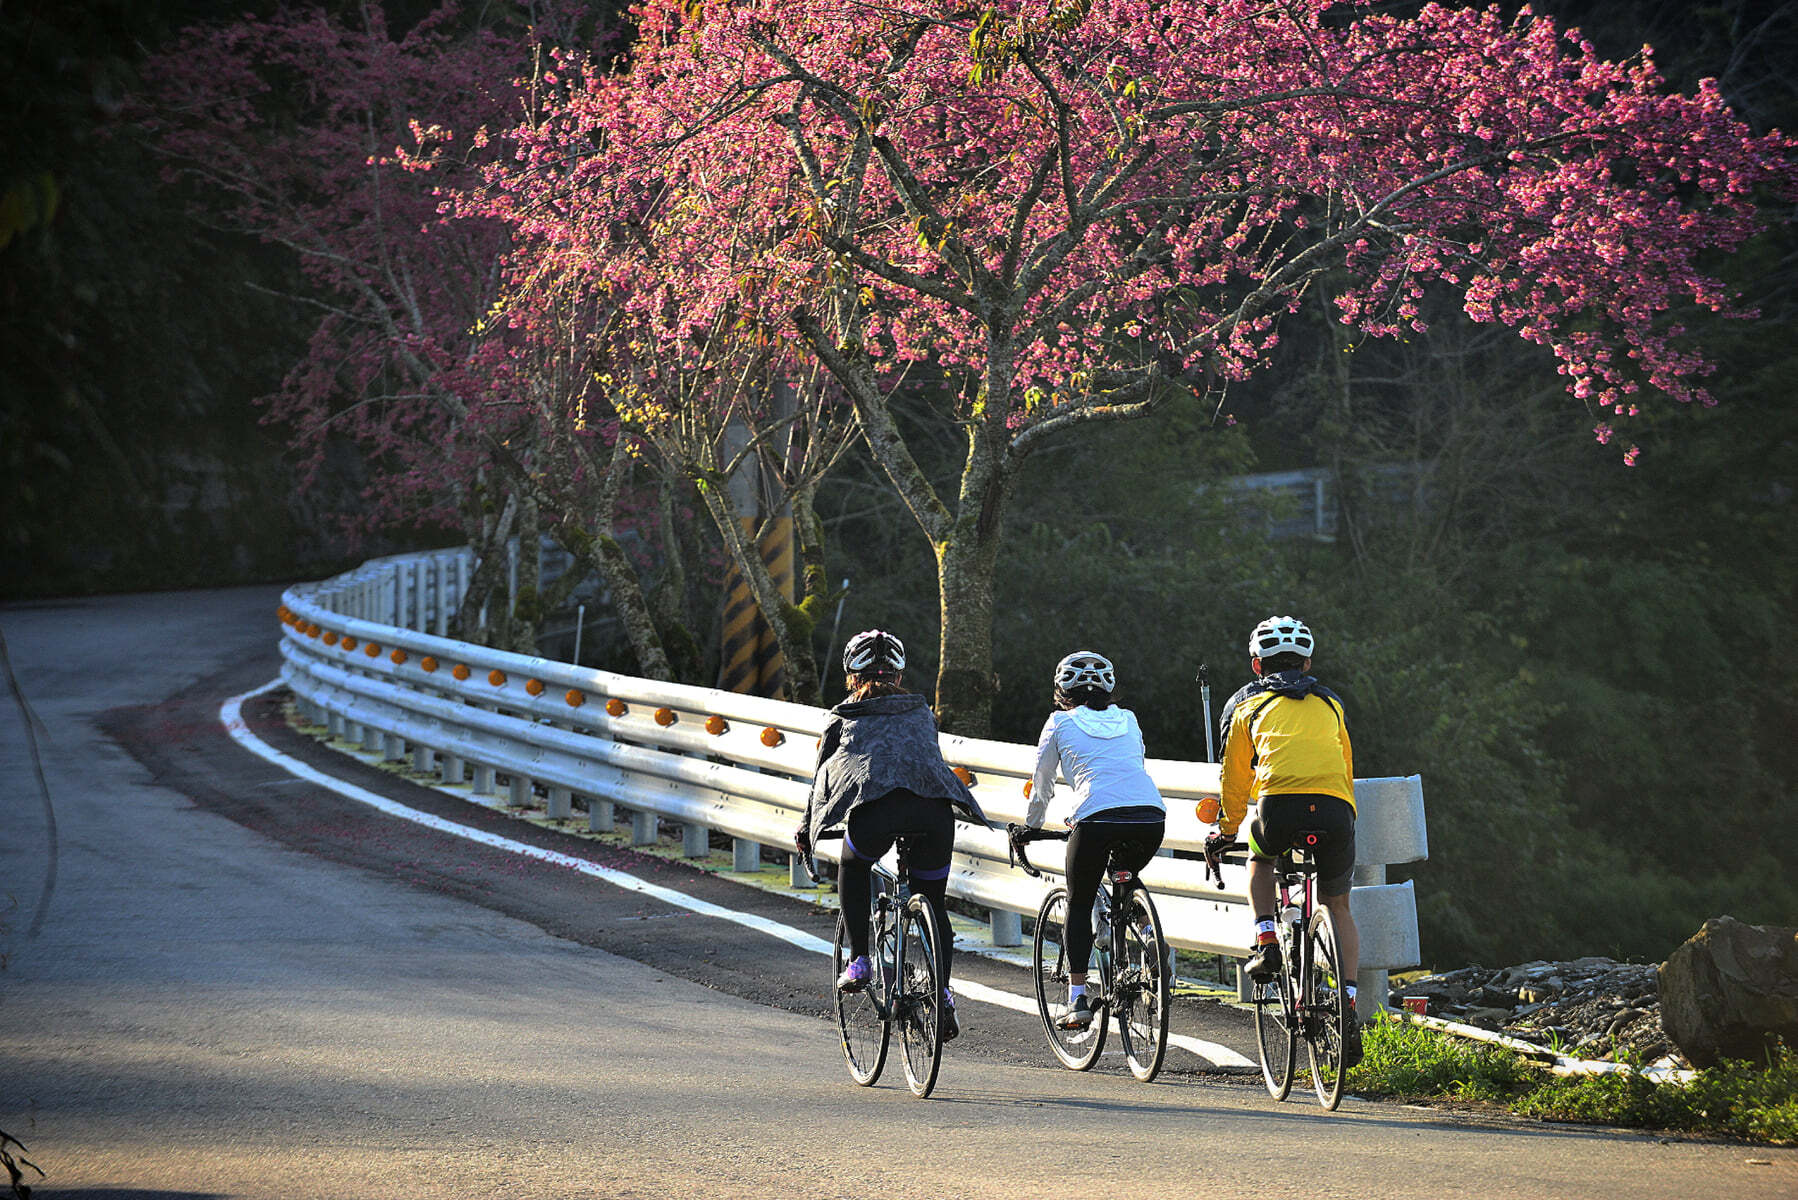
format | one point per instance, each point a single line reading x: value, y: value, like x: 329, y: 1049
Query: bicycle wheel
x: 918, y: 1002
x: 1276, y: 1030
x: 1140, y: 989
x: 861, y: 1018
x: 1077, y: 1049
x: 1326, y: 1010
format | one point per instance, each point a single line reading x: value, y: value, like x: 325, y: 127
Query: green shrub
x: 1414, y: 1060
x: 1735, y: 1099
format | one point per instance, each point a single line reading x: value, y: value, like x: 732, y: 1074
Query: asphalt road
x: 220, y: 980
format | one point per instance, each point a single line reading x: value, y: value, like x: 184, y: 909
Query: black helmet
x: 873, y: 652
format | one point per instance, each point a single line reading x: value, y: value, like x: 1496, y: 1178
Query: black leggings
x: 872, y: 829
x: 1125, y: 845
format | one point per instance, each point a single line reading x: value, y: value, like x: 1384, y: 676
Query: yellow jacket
x: 1282, y: 734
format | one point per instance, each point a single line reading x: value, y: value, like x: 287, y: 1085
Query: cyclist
x: 1118, y: 814
x: 1286, y: 750
x: 881, y: 774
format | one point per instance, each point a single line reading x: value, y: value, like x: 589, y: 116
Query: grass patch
x: 1735, y: 1099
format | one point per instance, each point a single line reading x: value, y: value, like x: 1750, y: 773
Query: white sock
x: 1075, y: 991
x: 1262, y: 927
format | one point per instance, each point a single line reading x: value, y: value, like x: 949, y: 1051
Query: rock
x: 1487, y: 1018
x: 1730, y: 990
x: 1623, y: 1020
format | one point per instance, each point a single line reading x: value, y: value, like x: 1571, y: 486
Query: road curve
x: 221, y: 980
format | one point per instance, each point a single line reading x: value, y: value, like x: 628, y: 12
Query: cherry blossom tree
x: 331, y: 138
x: 713, y: 390
x: 1073, y: 211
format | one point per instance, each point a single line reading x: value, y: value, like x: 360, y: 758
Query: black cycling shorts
x: 874, y: 825
x: 1278, y: 818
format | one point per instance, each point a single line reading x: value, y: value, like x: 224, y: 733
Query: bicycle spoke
x: 860, y: 1018
x: 1141, y: 988
x: 918, y: 1009
x: 1325, y: 1011
x: 1077, y: 1049
x: 1277, y: 1029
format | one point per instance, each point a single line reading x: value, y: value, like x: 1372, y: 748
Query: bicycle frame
x: 896, y: 994
x: 1301, y: 926
x: 1125, y: 988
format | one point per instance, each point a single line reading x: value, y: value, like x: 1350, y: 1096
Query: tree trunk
x: 527, y: 590
x: 966, y: 559
x: 620, y: 574
x: 490, y: 561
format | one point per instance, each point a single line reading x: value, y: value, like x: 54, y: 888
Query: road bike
x: 1132, y: 965
x: 1305, y: 1000
x: 905, y: 991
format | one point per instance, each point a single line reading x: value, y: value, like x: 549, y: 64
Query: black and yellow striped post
x: 750, y: 657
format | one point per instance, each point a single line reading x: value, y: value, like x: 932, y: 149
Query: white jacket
x: 1100, y: 753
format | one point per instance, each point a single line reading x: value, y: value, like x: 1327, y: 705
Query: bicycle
x: 1132, y: 964
x: 1305, y: 1000
x: 906, y: 988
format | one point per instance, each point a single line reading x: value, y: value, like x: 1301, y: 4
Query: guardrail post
x: 453, y: 769
x: 393, y: 748
x: 600, y: 817
x: 1007, y: 927
x: 334, y: 724
x: 519, y: 794
x: 1245, y: 987
x: 1372, y: 988
x: 745, y: 855
x: 561, y: 804
x: 695, y: 840
x: 423, y: 759
x: 373, y: 740
x: 643, y: 828
x: 796, y: 876
x: 483, y: 779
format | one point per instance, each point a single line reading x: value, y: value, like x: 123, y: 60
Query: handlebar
x: 811, y: 864
x: 1214, y: 859
x: 1017, y: 837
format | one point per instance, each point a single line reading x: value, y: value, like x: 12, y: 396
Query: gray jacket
x: 876, y: 746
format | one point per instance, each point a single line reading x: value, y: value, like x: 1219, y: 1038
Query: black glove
x: 802, y: 840
x: 1215, y: 843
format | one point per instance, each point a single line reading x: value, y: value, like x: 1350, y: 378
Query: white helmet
x: 1281, y: 635
x: 1084, y: 669
x: 873, y: 651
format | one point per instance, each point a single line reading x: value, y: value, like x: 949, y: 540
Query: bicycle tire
x: 1141, y: 988
x: 862, y: 1018
x: 1276, y: 1028
x: 918, y: 1002
x: 1326, y: 1010
x: 1077, y: 1049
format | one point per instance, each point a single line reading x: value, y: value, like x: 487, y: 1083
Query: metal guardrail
x: 358, y: 655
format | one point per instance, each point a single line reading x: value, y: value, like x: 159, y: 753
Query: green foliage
x: 1119, y: 546
x: 1758, y: 1101
x: 1737, y: 1099
x: 1407, y: 1060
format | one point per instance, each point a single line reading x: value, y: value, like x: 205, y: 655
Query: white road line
x: 231, y: 715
